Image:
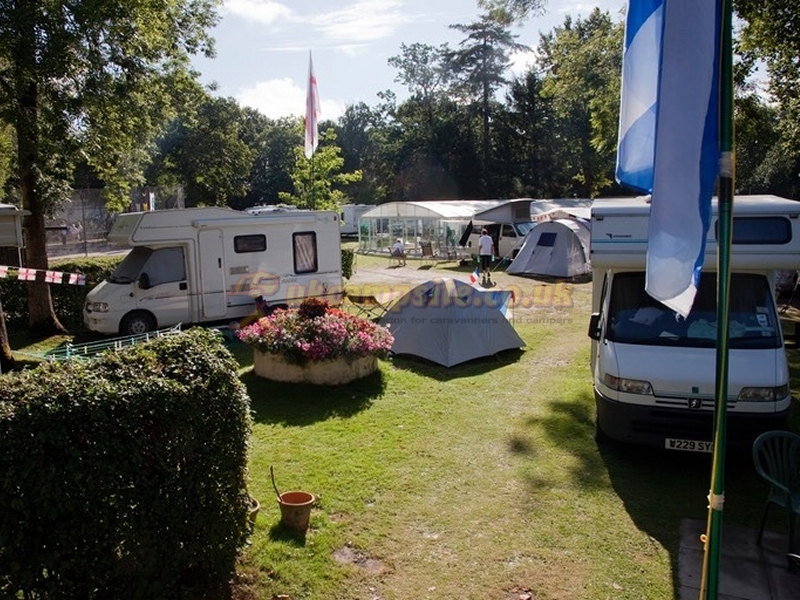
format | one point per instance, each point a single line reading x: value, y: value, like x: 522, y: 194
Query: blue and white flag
x: 668, y: 135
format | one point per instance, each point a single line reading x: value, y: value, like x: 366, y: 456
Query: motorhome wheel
x: 137, y: 323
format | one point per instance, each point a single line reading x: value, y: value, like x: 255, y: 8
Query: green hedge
x: 125, y: 476
x: 348, y: 259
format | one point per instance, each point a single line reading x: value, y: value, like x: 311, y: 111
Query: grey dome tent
x: 449, y: 321
x: 559, y: 248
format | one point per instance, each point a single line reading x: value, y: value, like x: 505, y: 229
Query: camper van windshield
x: 524, y: 228
x: 128, y: 270
x: 636, y: 318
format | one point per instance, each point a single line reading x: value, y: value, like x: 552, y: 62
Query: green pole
x: 716, y: 498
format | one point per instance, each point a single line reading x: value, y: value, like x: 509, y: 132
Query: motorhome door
x: 212, y: 274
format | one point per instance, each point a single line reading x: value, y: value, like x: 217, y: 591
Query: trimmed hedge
x: 348, y: 260
x: 125, y: 476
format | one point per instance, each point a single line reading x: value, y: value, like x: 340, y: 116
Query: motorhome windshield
x: 636, y: 318
x: 128, y: 270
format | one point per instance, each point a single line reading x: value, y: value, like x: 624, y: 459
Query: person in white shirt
x: 485, y: 252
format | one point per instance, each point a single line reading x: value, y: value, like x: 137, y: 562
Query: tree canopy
x: 93, y: 82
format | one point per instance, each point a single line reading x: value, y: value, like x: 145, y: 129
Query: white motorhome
x: 202, y: 265
x: 351, y: 217
x: 653, y: 371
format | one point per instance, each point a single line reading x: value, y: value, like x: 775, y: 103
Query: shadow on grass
x: 658, y: 488
x: 473, y: 368
x: 280, y: 533
x: 296, y: 404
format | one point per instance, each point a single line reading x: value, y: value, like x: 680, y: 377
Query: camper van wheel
x: 137, y: 323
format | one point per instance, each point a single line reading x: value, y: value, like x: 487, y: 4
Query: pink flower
x: 316, y: 332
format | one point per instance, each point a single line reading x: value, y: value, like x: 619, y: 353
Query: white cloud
x: 278, y: 98
x: 261, y: 11
x: 364, y: 20
x: 346, y: 28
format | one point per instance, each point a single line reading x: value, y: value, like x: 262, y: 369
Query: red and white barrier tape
x: 26, y: 274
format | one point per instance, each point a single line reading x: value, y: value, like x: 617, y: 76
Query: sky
x: 263, y: 47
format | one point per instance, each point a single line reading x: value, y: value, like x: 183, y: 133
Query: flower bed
x: 297, y: 344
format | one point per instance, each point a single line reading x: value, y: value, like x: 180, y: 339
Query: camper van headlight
x: 98, y: 307
x: 763, y: 394
x: 630, y: 386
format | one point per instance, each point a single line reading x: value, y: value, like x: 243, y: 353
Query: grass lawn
x: 481, y: 481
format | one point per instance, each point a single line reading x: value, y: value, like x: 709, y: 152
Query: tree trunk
x: 7, y: 362
x: 41, y: 316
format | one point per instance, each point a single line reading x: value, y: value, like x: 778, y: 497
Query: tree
x: 361, y: 133
x: 529, y: 138
x: 205, y: 150
x: 7, y: 159
x: 479, y: 68
x: 424, y: 71
x: 91, y: 80
x: 519, y: 9
x: 318, y: 180
x: 772, y: 33
x: 272, y: 143
x: 581, y: 62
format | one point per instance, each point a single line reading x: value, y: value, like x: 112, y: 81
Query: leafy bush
x: 125, y: 476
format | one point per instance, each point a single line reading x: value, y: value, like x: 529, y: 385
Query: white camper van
x: 211, y: 264
x: 653, y: 371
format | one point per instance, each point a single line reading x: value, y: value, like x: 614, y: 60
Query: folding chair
x: 776, y: 455
x: 366, y: 306
x: 371, y: 306
x: 396, y: 255
x: 427, y: 253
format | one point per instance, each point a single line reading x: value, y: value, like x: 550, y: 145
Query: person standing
x: 485, y: 252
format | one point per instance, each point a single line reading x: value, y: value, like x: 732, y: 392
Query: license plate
x: 688, y: 445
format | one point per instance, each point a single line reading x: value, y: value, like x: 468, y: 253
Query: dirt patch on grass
x: 353, y: 556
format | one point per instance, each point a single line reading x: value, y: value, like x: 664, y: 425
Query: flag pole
x: 709, y: 588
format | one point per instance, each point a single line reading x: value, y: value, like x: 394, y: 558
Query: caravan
x: 201, y: 265
x: 653, y: 371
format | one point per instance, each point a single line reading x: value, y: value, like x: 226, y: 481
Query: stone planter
x: 327, y: 372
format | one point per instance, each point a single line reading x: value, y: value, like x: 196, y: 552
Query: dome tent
x: 449, y: 321
x: 558, y: 248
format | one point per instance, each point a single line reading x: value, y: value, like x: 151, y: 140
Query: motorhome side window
x: 759, y: 230
x: 249, y: 243
x: 305, y: 252
x: 636, y: 318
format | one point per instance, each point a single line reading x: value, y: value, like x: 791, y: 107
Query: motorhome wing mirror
x: 594, y: 326
x: 144, y: 281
